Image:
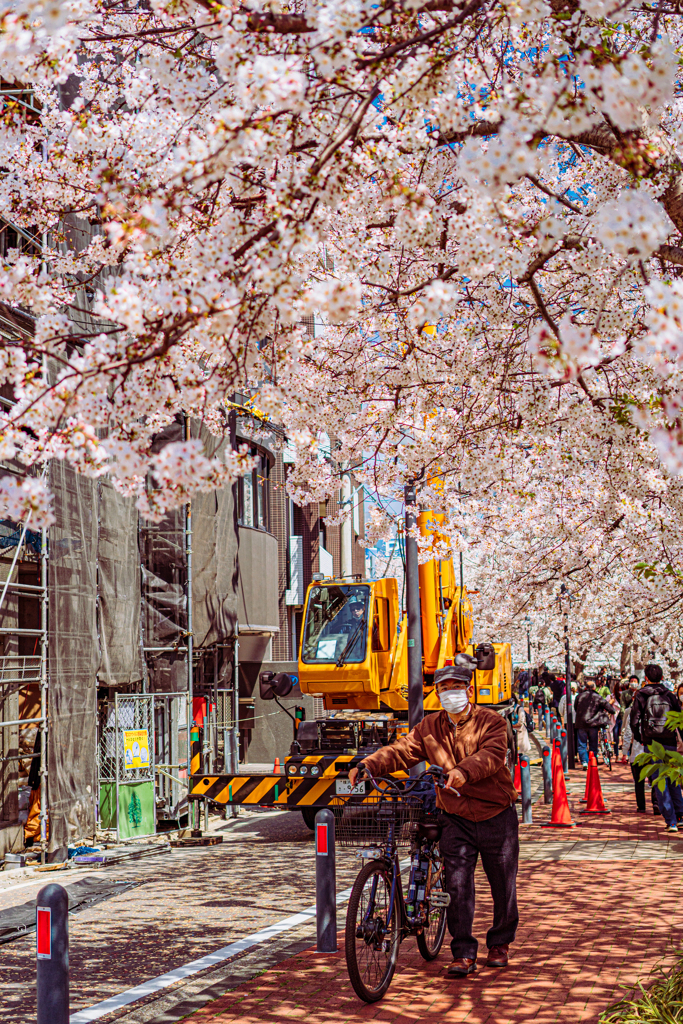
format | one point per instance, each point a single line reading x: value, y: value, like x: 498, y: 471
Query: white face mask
x: 454, y: 701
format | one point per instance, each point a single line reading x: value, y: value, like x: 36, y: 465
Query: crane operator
x: 477, y: 811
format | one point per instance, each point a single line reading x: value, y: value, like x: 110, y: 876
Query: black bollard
x: 547, y: 777
x: 563, y: 750
x: 546, y: 715
x: 52, y: 954
x: 325, y: 882
x: 525, y: 773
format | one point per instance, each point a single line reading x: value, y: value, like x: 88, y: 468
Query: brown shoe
x: 462, y: 967
x: 498, y: 956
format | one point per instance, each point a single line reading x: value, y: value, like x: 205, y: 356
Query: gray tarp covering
x: 94, y: 592
x: 118, y: 587
x: 74, y: 657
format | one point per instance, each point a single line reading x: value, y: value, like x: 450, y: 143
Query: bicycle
x: 379, y: 916
x: 605, y: 747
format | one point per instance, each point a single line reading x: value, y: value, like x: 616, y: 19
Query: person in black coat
x: 591, y: 713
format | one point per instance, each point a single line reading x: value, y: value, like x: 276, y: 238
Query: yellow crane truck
x: 353, y: 655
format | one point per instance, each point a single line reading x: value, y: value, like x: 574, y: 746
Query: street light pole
x: 571, y: 746
x: 415, y: 689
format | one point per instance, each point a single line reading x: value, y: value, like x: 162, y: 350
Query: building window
x: 254, y: 494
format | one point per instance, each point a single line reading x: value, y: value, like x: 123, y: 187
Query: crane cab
x: 348, y: 642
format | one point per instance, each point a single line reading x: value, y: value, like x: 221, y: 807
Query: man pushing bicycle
x: 477, y: 812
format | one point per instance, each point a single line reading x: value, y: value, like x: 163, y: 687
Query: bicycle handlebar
x: 436, y: 773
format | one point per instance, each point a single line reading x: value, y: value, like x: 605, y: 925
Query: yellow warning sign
x: 135, y: 749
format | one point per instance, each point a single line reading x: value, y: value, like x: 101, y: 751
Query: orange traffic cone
x: 594, y: 802
x: 276, y: 766
x: 591, y: 760
x: 518, y: 777
x: 561, y: 815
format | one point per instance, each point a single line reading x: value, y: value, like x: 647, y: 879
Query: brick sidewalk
x: 588, y: 929
x: 624, y: 823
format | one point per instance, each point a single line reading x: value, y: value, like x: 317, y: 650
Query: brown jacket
x: 477, y: 746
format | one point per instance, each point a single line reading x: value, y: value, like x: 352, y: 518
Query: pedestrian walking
x: 521, y: 727
x: 477, y: 809
x: 591, y: 713
x: 631, y: 750
x: 562, y: 706
x: 651, y: 705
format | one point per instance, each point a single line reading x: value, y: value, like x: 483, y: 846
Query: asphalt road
x: 185, y: 904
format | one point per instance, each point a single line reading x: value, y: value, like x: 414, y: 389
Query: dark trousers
x: 587, y: 738
x: 497, y: 840
x: 640, y: 790
x: 669, y: 799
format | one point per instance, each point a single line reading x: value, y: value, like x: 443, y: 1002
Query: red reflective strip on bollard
x: 321, y: 840
x: 43, y: 933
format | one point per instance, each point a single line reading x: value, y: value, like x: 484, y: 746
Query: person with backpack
x: 591, y: 713
x: 650, y: 707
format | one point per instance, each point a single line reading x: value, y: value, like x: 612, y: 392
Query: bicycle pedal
x: 439, y: 899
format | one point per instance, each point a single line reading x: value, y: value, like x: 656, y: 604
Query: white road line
x: 195, y: 966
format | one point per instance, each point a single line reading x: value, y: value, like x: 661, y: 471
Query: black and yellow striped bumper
x: 277, y: 790
x: 281, y: 790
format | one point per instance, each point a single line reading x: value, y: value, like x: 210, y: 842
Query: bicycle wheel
x: 371, y: 946
x: 430, y: 940
x: 607, y: 756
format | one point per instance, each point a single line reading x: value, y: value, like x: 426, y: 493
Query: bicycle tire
x: 371, y: 975
x: 429, y: 942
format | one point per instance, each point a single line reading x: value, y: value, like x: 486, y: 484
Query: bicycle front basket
x: 368, y: 821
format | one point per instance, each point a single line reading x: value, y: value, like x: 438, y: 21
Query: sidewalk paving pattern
x: 590, y: 923
x: 588, y: 931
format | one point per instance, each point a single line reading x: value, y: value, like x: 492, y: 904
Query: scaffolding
x: 20, y: 672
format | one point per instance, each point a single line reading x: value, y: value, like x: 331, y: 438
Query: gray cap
x: 460, y: 672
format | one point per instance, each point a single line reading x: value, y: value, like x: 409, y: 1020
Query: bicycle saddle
x: 429, y: 831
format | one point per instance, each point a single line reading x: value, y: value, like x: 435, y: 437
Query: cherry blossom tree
x: 482, y: 205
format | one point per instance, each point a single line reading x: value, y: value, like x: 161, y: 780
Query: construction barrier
x: 594, y: 801
x: 525, y: 774
x: 561, y: 815
x: 52, y: 955
x: 325, y: 882
x: 517, y: 779
x: 547, y: 777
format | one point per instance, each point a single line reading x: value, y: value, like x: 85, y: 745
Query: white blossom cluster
x: 479, y: 208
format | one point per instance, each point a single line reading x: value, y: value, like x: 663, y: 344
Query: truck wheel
x: 308, y: 814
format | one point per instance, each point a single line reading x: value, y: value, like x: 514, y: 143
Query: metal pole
x: 528, y: 647
x: 52, y: 955
x: 234, y: 731
x: 569, y: 717
x: 190, y: 645
x: 547, y: 777
x: 525, y: 774
x: 118, y: 772
x: 43, y: 696
x: 546, y: 715
x: 325, y: 882
x: 415, y: 687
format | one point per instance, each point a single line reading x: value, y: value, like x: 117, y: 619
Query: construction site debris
x: 197, y: 841
x: 117, y: 854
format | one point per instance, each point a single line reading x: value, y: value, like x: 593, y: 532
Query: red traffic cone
x: 594, y: 802
x: 561, y: 815
x: 517, y: 782
x: 276, y: 766
x: 591, y: 760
